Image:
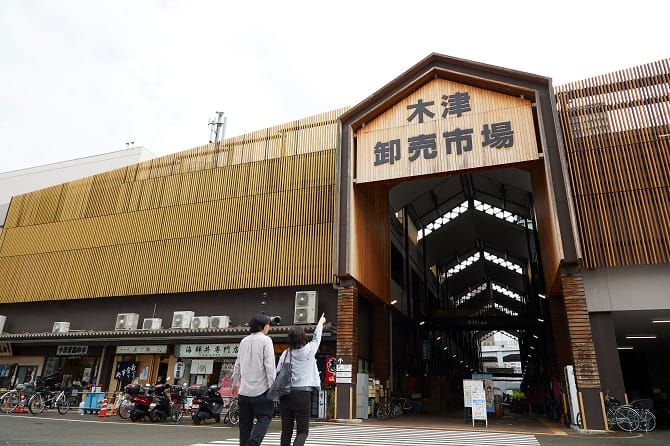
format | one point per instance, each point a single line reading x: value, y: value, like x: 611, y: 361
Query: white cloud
x: 84, y: 77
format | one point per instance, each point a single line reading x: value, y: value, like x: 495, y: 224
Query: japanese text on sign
x: 71, y: 350
x: 427, y: 146
x: 207, y: 350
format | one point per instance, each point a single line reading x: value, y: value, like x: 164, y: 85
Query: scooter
x: 160, y: 407
x: 140, y: 401
x: 207, y: 405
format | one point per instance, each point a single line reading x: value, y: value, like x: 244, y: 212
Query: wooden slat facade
x: 579, y: 328
x: 616, y: 130
x: 255, y: 210
x: 485, y: 108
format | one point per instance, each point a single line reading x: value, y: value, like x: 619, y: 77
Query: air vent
x: 152, y: 323
x: 200, y: 322
x: 182, y: 319
x: 219, y: 321
x: 61, y: 327
x: 127, y: 321
x: 305, y: 307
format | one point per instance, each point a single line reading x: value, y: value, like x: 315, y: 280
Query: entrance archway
x: 453, y: 216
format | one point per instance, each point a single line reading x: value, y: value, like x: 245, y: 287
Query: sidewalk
x: 509, y: 423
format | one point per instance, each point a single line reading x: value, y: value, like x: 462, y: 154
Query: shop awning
x: 168, y: 335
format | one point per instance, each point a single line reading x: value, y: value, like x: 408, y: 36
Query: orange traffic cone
x: 20, y: 408
x: 103, y: 410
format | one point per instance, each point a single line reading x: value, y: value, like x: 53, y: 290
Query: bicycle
x: 123, y: 406
x: 624, y: 416
x: 178, y: 403
x: 401, y: 405
x: 385, y: 410
x: 12, y: 399
x: 646, y: 416
x: 233, y: 414
x: 44, y: 398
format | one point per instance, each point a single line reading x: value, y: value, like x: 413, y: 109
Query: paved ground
x: 51, y: 429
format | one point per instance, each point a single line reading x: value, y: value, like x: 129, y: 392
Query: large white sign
x: 141, y: 349
x: 206, y: 350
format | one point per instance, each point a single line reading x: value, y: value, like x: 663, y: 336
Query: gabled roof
x: 490, y: 77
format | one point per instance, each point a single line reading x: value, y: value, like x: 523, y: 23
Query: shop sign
x: 125, y: 370
x: 141, y: 349
x: 5, y: 349
x: 444, y: 127
x: 179, y: 369
x: 331, y: 369
x: 206, y: 350
x: 72, y: 350
x: 202, y: 366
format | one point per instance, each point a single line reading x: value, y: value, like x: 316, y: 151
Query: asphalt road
x: 74, y: 430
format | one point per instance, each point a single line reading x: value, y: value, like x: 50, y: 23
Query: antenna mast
x: 217, y: 128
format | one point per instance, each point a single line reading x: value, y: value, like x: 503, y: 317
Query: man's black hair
x: 258, y: 322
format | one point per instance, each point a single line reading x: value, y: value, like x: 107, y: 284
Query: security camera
x: 275, y: 320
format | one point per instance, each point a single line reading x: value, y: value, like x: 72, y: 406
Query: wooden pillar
x: 380, y: 343
x: 583, y: 351
x: 347, y: 347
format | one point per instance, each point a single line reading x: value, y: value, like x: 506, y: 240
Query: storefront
x: 140, y: 364
x: 208, y: 364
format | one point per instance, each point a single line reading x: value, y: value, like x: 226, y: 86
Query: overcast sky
x: 80, y: 78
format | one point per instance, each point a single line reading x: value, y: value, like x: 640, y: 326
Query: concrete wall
x: 627, y: 288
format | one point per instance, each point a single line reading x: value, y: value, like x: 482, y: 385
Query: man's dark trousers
x: 251, y: 407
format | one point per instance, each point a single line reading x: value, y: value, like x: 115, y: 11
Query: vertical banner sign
x: 125, y: 370
x: 331, y: 370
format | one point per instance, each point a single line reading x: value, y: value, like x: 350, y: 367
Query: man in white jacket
x: 254, y: 373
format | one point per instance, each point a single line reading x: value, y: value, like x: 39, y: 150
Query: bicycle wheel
x: 233, y: 414
x: 382, y: 413
x: 124, y: 409
x: 393, y: 410
x: 62, y: 404
x: 9, y: 401
x: 627, y: 418
x: 176, y: 413
x: 36, y: 404
x: 647, y: 421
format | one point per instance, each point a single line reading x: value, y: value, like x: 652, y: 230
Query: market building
x: 458, y: 200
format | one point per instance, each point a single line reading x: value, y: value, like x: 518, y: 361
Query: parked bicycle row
x: 160, y: 402
x: 636, y: 416
x: 53, y: 391
x: 389, y: 408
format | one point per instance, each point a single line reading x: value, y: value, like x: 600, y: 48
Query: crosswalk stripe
x: 364, y: 436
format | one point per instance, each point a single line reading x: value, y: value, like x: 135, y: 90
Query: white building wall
x: 17, y: 182
x: 625, y: 288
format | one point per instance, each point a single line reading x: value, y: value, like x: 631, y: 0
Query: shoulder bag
x: 282, y: 384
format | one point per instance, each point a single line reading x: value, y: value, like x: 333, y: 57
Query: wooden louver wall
x: 616, y: 130
x: 253, y: 211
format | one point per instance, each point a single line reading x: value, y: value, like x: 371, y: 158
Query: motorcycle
x: 207, y: 405
x: 139, y: 401
x: 160, y: 409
